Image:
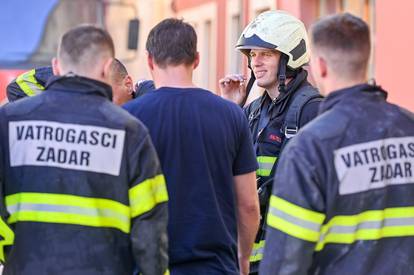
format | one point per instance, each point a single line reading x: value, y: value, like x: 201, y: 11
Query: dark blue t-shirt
x: 202, y: 141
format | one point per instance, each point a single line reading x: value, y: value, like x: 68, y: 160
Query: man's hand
x: 232, y: 87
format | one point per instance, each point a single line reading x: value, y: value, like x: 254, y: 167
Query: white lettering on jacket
x: 65, y: 145
x: 375, y: 164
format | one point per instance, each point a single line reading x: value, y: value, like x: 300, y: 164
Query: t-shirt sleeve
x: 245, y: 160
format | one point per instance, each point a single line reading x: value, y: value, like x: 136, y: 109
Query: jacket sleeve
x: 295, y: 213
x: 29, y: 83
x: 148, y: 205
x: 6, y: 233
x: 14, y: 92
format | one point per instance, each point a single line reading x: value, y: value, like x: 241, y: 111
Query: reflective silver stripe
x: 294, y: 220
x: 258, y: 251
x: 265, y: 165
x: 351, y: 229
x: 29, y: 84
x: 35, y: 89
x: 95, y: 212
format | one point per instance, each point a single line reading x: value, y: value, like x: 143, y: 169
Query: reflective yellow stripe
x: 257, y: 252
x: 146, y: 195
x: 68, y: 209
x: 294, y: 220
x: 265, y: 165
x: 8, y: 238
x: 368, y: 225
x: 28, y: 83
x: 297, y: 211
x: 167, y: 272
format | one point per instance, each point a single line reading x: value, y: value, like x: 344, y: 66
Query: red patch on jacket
x: 274, y: 137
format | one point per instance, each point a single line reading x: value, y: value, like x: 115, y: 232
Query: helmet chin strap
x: 284, y: 72
x: 281, y: 73
x: 249, y: 83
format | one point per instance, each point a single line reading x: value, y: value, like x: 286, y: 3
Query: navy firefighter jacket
x: 267, y: 120
x: 81, y: 190
x: 345, y: 200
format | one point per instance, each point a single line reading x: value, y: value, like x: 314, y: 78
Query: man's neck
x: 273, y: 91
x: 180, y: 76
x: 339, y: 84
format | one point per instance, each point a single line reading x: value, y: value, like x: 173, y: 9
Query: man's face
x: 265, y: 63
x: 122, y: 90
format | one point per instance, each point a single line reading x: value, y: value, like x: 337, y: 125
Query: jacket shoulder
x: 406, y: 113
x: 327, y: 125
x: 23, y: 106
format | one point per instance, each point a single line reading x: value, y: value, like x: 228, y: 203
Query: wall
x: 394, y: 42
x: 390, y: 62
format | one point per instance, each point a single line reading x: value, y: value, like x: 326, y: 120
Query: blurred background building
x: 218, y: 24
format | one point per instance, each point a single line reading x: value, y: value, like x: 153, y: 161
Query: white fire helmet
x: 280, y: 31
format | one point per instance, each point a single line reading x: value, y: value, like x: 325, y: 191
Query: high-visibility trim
x: 146, y: 195
x: 265, y: 165
x: 294, y: 220
x: 28, y: 83
x: 7, y: 238
x: 257, y: 252
x: 167, y: 272
x: 68, y: 209
x: 368, y: 225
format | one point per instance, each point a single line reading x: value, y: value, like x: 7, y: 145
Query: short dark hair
x: 172, y: 42
x: 345, y: 39
x: 80, y: 44
x: 118, y: 70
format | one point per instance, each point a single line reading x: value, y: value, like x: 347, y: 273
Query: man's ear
x: 150, y: 62
x: 196, y: 60
x: 55, y: 66
x: 323, y: 66
x: 129, y: 83
x: 106, y: 71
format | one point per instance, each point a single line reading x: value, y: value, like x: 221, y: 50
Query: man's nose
x: 256, y: 61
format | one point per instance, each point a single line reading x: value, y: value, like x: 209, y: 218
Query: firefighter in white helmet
x: 276, y: 46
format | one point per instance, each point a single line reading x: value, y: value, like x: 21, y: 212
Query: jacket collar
x: 352, y: 93
x: 78, y: 84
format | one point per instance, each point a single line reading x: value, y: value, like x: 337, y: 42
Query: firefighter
x: 345, y: 202
x: 34, y: 81
x: 276, y: 45
x: 81, y: 187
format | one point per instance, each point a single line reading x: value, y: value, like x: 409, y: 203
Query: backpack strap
x: 291, y: 124
x: 300, y: 99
